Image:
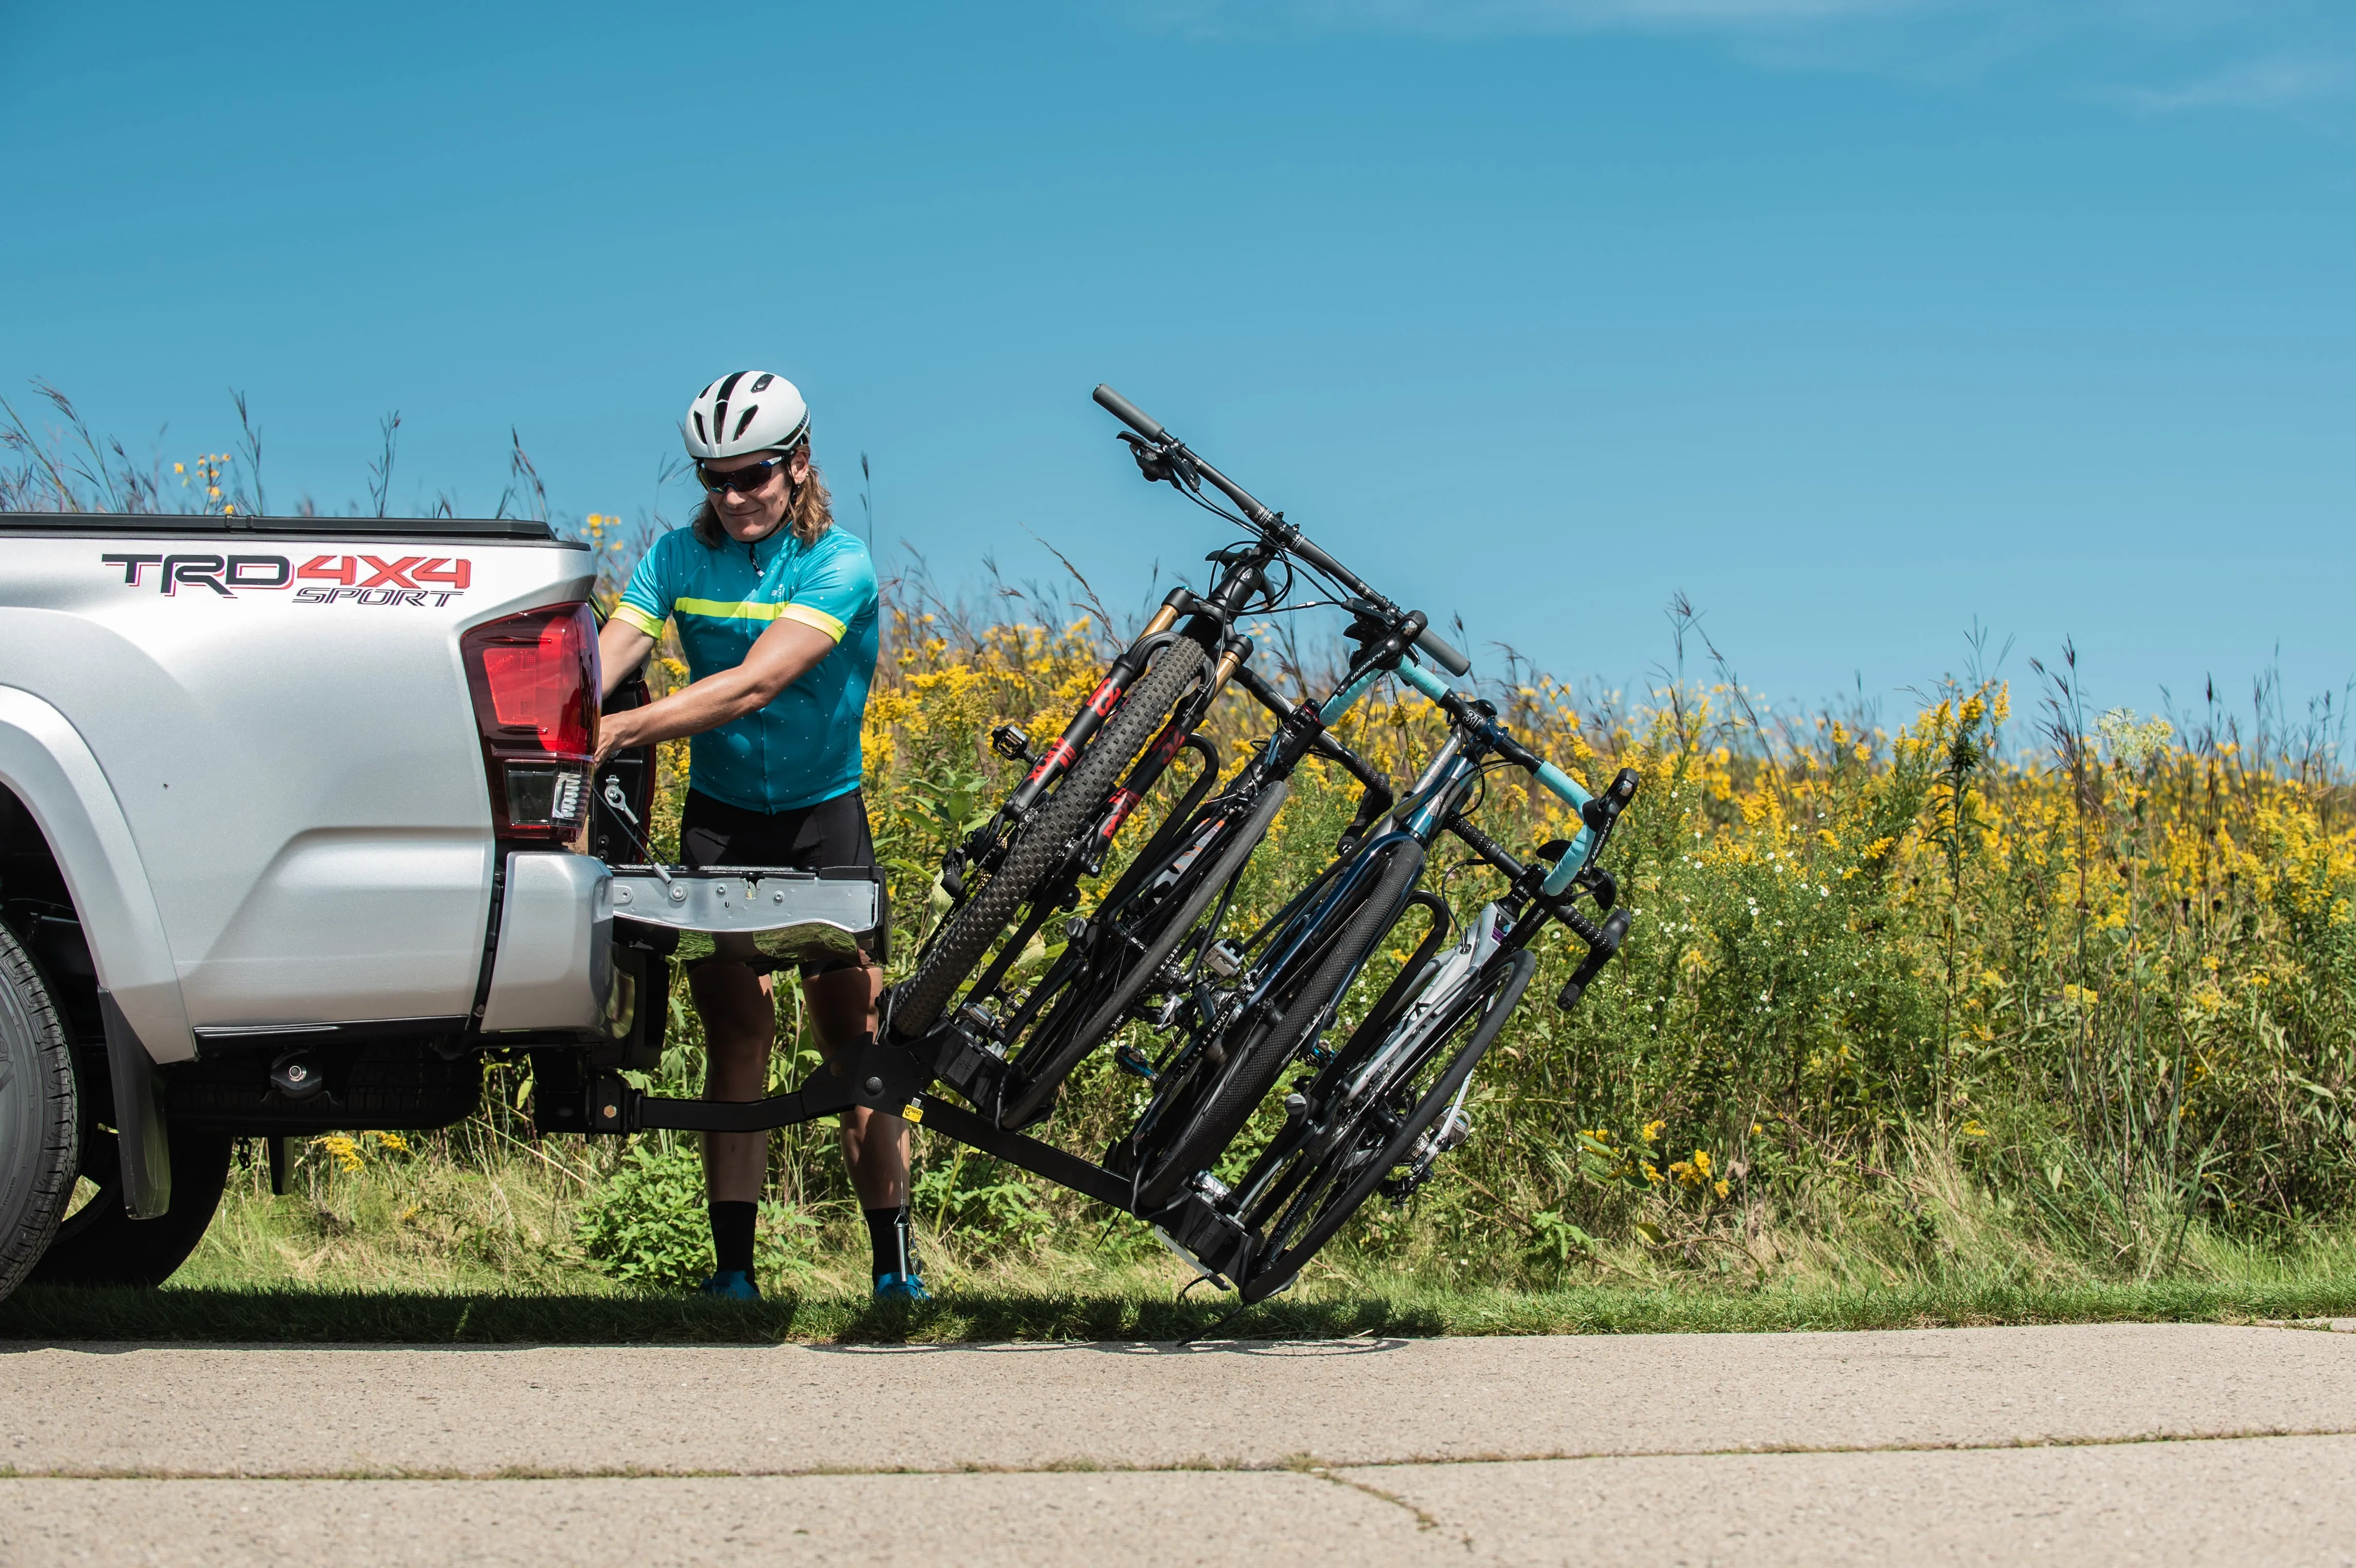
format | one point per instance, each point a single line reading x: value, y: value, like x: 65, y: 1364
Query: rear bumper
x: 553, y: 968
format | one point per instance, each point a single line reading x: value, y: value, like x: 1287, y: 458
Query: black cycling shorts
x: 806, y: 839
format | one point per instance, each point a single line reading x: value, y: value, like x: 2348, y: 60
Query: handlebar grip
x: 1423, y: 680
x: 1342, y: 701
x: 1443, y: 656
x: 1566, y: 870
x: 1130, y: 415
x: 1566, y: 788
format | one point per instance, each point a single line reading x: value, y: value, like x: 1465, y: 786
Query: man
x: 776, y: 614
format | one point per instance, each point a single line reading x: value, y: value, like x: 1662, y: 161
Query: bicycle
x: 1278, y: 1004
x: 1059, y: 823
x: 1389, y: 1103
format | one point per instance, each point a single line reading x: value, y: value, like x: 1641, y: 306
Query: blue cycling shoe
x: 733, y: 1286
x: 901, y: 1287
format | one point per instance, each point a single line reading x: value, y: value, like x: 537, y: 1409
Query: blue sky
x: 1857, y: 321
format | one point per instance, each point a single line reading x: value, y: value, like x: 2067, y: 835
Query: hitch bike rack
x: 795, y: 917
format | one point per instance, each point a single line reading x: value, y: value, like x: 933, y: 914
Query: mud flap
x: 139, y: 1122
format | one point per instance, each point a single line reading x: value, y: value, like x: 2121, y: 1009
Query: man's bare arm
x: 621, y: 648
x: 779, y: 657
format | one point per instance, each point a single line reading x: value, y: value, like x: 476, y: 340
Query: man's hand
x: 616, y: 733
x: 779, y: 657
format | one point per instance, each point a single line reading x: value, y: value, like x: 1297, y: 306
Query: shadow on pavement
x: 67, y: 1315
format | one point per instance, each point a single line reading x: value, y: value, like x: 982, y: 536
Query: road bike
x: 1390, y: 1103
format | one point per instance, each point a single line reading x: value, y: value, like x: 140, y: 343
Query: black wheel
x: 1101, y: 993
x: 39, y: 1114
x: 98, y: 1244
x: 1042, y: 843
x: 1373, y: 1121
x: 1253, y: 1067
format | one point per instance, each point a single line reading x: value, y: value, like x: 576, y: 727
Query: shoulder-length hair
x: 809, y: 513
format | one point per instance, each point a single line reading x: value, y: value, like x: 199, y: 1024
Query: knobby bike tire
x: 1485, y: 1004
x: 1252, y: 1071
x: 1175, y: 921
x: 1040, y: 843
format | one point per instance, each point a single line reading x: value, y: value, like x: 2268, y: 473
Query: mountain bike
x: 1060, y: 821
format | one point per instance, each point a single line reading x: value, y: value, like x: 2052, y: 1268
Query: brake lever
x: 1153, y: 462
x: 1601, y: 813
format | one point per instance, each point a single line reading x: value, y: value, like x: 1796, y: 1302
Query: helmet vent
x: 746, y: 412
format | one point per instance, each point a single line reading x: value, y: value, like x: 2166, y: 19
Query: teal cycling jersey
x: 804, y: 747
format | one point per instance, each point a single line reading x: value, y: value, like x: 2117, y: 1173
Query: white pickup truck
x: 296, y: 824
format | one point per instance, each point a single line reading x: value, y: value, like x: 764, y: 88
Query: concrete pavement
x: 2126, y: 1443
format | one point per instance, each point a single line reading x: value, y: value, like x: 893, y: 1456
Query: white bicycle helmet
x: 750, y: 411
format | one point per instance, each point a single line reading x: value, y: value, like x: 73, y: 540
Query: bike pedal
x: 1129, y: 1059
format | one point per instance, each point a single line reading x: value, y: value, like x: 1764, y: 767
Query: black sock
x: 894, y: 1244
x: 731, y: 1237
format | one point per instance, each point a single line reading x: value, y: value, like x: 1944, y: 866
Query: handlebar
x: 1565, y: 788
x: 1271, y: 524
x: 1442, y: 655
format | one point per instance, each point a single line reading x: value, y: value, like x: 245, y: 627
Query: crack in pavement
x: 1303, y: 1464
x: 1423, y: 1519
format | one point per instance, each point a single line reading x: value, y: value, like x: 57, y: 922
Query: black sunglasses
x: 744, y: 481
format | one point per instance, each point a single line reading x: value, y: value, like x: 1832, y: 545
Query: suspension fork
x: 1240, y: 578
x: 1059, y: 757
x: 1164, y: 751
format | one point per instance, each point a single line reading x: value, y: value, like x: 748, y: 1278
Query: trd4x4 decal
x: 357, y: 579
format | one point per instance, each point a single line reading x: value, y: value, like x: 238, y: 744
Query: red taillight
x: 534, y: 680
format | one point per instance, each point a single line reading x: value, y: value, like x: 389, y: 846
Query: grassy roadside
x: 213, y: 1315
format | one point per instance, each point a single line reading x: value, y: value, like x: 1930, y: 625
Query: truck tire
x: 99, y: 1244
x: 39, y: 1113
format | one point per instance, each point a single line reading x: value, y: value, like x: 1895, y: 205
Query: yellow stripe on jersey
x: 721, y: 609
x: 629, y: 614
x: 809, y: 618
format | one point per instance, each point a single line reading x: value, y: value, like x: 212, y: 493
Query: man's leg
x: 875, y: 1143
x: 740, y: 1025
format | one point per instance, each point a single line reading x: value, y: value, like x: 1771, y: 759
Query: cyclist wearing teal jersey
x: 776, y: 611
